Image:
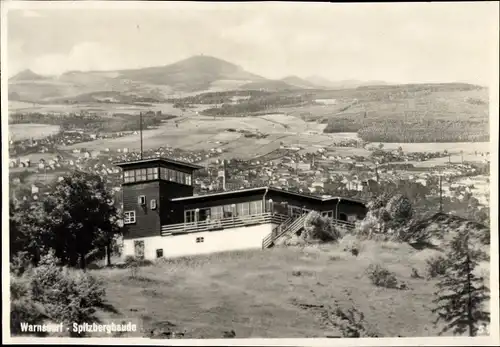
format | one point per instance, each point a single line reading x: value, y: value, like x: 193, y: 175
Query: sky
x: 398, y: 42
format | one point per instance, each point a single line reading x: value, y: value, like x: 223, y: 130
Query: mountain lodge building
x: 162, y: 217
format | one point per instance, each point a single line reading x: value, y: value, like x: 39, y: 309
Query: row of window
x: 138, y: 175
x: 148, y: 174
x: 175, y: 176
x: 225, y: 211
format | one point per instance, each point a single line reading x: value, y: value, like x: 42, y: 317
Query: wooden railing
x: 343, y: 223
x: 290, y: 226
x: 224, y: 223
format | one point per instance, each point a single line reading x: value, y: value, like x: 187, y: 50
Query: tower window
x: 129, y: 217
x: 152, y: 204
x: 141, y: 200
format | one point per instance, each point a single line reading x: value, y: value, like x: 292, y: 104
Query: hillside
x: 282, y: 292
x: 192, y: 74
x: 198, y: 73
x: 270, y: 85
x: 343, y: 84
x: 26, y: 75
x: 300, y: 82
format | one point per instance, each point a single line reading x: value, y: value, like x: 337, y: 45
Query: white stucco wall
x: 214, y: 241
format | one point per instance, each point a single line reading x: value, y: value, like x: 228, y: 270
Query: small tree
x: 69, y: 296
x: 461, y: 293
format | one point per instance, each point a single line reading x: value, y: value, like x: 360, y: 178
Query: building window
x: 189, y: 216
x: 188, y: 179
x: 129, y: 217
x: 141, y: 175
x: 200, y: 239
x: 159, y: 253
x: 129, y: 176
x: 153, y: 204
x: 204, y: 214
x: 216, y: 212
x: 141, y: 200
x: 343, y: 217
x: 163, y: 173
x: 255, y: 207
x: 243, y: 209
x: 152, y: 173
x: 228, y: 211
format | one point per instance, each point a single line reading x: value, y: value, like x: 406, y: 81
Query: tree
x: 78, y: 221
x: 82, y: 218
x: 27, y: 230
x: 461, y: 293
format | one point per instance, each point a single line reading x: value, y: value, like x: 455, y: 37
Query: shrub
x: 414, y: 273
x: 351, y: 323
x: 319, y: 228
x: 68, y: 296
x: 382, y: 277
x: 22, y: 307
x: 436, y: 266
x: 399, y: 208
x: 20, y: 263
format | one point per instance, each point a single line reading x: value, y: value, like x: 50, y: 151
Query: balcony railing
x: 224, y: 223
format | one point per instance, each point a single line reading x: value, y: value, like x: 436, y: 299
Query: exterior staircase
x: 289, y: 227
x: 292, y: 225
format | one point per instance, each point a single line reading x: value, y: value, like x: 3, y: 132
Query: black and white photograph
x: 274, y: 173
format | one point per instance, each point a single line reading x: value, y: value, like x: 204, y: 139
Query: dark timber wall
x: 147, y: 220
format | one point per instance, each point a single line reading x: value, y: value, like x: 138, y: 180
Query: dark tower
x: 148, y: 186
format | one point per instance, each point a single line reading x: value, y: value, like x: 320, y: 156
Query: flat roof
x: 160, y: 160
x: 263, y: 189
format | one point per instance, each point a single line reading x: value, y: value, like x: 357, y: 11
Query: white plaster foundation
x: 213, y: 241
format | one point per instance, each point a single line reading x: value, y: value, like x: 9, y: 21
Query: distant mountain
x: 192, y: 74
x: 300, y: 82
x: 195, y: 74
x: 27, y: 75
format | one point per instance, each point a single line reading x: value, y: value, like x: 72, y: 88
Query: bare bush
x: 436, y: 266
x: 382, y: 277
x: 319, y: 228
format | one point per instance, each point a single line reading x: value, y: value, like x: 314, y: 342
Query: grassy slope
x: 252, y: 292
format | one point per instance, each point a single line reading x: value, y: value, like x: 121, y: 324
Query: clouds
x: 85, y: 56
x: 394, y: 42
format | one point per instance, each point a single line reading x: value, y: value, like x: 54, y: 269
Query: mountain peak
x: 26, y: 75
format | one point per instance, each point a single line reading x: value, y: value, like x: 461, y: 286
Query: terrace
x: 241, y: 215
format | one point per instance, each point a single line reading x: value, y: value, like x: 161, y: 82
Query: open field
x: 451, y: 147
x: 100, y: 108
x: 258, y: 294
x: 36, y: 131
x: 199, y: 132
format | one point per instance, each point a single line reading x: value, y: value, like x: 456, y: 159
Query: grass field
x: 36, y: 131
x: 199, y: 132
x: 451, y: 147
x: 259, y: 293
x: 100, y: 108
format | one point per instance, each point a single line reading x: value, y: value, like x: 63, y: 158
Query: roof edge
x: 158, y: 159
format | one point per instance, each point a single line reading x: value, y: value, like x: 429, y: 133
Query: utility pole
x: 441, y: 193
x: 224, y: 175
x: 140, y: 127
